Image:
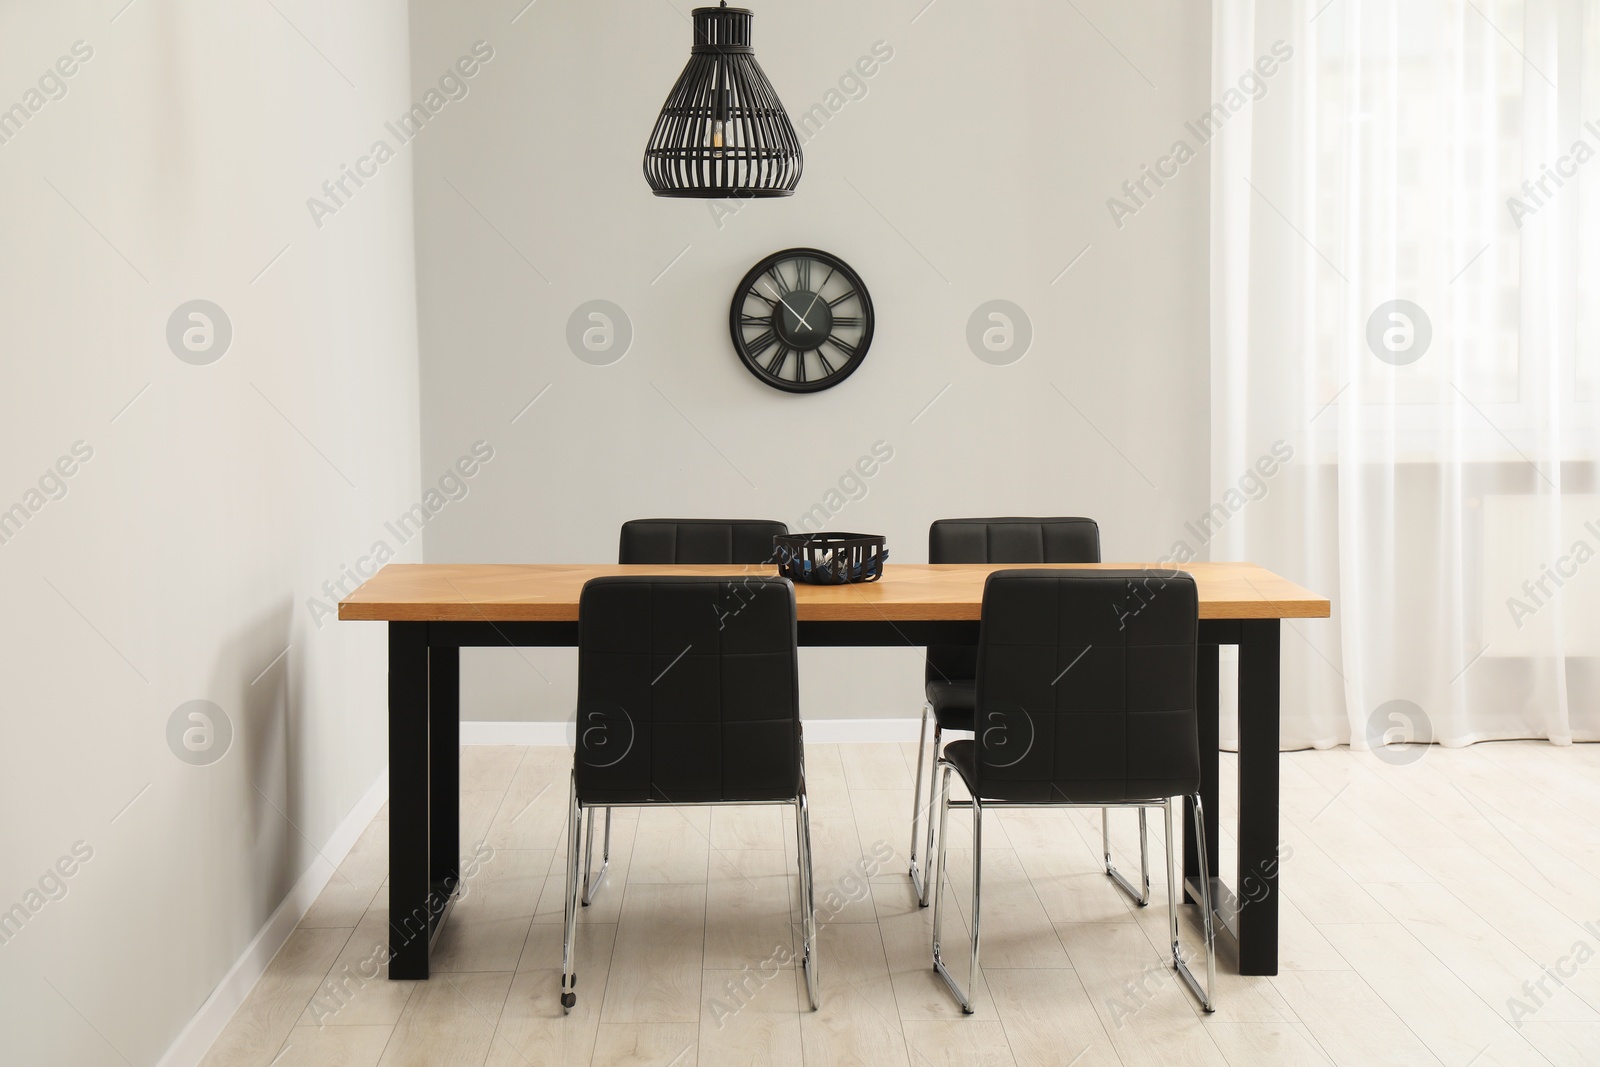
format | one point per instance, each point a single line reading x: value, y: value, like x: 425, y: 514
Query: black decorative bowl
x: 830, y: 558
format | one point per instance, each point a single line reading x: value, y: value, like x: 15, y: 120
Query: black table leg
x: 1258, y: 797
x: 411, y: 906
x: 444, y: 771
x: 1207, y: 679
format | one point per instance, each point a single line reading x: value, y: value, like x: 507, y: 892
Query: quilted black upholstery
x: 951, y: 668
x: 1085, y: 688
x: 687, y: 691
x: 698, y: 540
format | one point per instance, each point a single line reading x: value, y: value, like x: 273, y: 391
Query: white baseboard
x: 855, y: 731
x: 202, y: 1030
x: 818, y: 731
x: 519, y: 732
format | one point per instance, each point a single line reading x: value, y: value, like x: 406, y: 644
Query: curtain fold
x: 1404, y: 299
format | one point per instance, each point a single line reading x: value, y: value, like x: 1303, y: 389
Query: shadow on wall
x: 259, y: 736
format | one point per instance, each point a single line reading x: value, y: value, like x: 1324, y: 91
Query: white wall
x: 976, y: 167
x: 218, y: 497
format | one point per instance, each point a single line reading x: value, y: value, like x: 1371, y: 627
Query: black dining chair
x: 950, y: 670
x: 1086, y: 695
x: 688, y: 693
x: 662, y: 541
x: 659, y: 542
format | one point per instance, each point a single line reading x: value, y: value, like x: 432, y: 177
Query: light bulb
x: 719, y: 122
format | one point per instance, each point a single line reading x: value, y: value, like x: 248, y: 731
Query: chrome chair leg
x: 589, y: 890
x: 1180, y: 964
x: 1141, y: 899
x: 938, y: 871
x: 977, y: 887
x: 808, y: 903
x: 927, y: 853
x: 918, y: 882
x: 569, y: 934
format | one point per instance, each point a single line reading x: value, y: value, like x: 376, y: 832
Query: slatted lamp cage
x: 723, y: 131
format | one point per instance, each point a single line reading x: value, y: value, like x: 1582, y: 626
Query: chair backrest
x: 698, y: 540
x: 688, y: 690
x: 1086, y: 686
x: 1059, y: 540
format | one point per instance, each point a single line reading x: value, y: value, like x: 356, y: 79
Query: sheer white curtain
x: 1404, y: 294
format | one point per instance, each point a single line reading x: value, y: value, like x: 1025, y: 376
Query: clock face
x: 801, y: 320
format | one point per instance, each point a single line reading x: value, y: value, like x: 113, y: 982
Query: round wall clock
x: 801, y: 320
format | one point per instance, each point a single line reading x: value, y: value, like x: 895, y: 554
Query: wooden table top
x: 548, y: 592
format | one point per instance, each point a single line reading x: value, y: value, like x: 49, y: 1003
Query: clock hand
x: 797, y: 314
x: 786, y: 304
x: 814, y: 298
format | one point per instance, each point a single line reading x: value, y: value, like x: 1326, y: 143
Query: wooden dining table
x: 435, y: 610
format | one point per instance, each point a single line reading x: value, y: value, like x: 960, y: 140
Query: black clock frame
x: 747, y: 285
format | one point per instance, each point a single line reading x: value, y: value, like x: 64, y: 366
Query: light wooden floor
x: 1418, y: 901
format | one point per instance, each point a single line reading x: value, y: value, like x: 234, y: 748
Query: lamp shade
x: 723, y: 131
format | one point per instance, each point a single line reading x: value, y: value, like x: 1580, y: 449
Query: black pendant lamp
x: 723, y: 131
